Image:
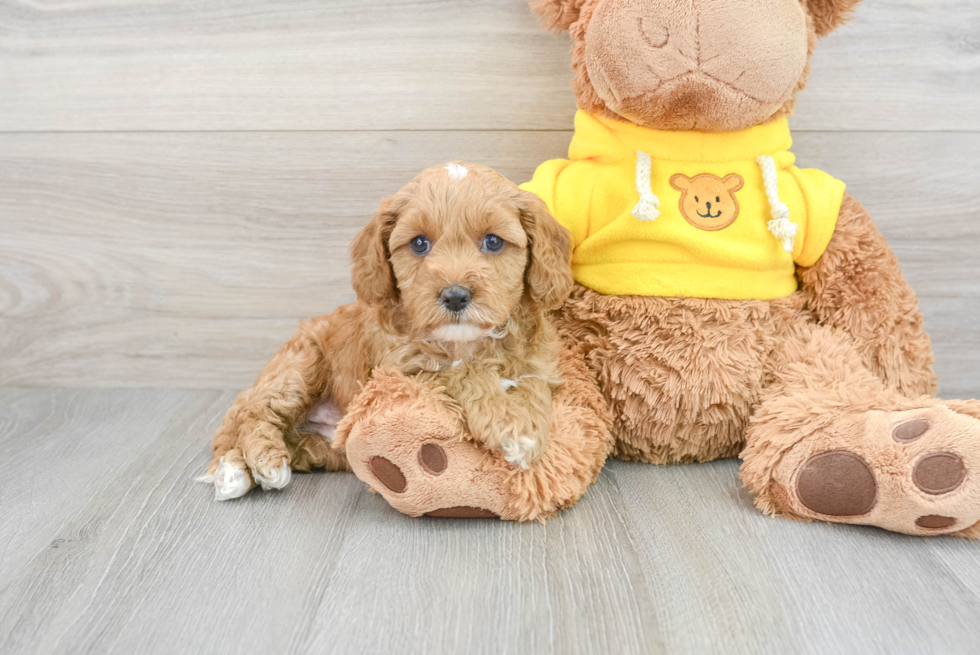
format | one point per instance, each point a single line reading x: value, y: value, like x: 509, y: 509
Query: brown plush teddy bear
x: 728, y: 303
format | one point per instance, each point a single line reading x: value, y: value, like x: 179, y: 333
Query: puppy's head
x: 459, y: 249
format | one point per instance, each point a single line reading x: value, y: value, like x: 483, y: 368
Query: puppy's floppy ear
x: 549, y: 270
x: 371, y: 273
x: 828, y: 15
x: 557, y: 14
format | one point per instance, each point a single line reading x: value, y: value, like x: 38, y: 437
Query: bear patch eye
x: 717, y: 198
x: 493, y: 243
x: 696, y: 199
x: 420, y: 245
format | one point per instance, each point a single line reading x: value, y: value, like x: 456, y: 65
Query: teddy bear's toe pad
x: 837, y: 483
x: 433, y: 459
x: 939, y: 473
x: 388, y: 474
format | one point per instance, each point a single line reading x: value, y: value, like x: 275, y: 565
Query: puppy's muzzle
x: 455, y: 298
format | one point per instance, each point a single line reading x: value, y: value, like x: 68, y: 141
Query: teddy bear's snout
x: 650, y: 61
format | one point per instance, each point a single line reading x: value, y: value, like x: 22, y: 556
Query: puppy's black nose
x: 455, y: 298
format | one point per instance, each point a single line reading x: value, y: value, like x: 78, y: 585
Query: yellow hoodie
x: 704, y: 215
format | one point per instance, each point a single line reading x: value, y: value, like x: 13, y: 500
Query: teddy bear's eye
x: 717, y: 198
x: 696, y: 199
x: 420, y: 245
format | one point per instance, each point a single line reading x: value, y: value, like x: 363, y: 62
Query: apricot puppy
x: 455, y: 277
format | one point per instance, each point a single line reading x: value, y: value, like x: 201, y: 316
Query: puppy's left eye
x: 420, y: 245
x: 493, y: 243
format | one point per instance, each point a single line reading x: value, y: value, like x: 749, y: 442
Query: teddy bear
x: 727, y: 302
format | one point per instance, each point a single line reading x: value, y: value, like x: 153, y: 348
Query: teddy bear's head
x: 709, y: 65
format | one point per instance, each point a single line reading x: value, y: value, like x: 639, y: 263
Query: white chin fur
x: 459, y: 332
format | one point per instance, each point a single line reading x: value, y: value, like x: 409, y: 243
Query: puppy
x: 455, y: 277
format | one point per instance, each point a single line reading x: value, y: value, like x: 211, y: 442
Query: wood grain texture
x: 185, y: 260
x: 146, y: 562
x: 411, y: 65
x: 110, y: 547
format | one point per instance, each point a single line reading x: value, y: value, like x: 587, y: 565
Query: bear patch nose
x: 455, y: 298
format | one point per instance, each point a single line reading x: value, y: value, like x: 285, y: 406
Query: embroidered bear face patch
x: 708, y: 202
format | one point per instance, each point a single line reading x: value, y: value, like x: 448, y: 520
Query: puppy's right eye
x: 420, y: 245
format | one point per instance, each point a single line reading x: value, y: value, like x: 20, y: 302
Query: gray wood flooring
x: 179, y: 182
x: 108, y: 546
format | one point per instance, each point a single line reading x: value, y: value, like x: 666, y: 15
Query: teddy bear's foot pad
x: 906, y: 471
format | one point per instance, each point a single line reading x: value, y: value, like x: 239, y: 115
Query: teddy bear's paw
x: 914, y: 471
x: 411, y: 452
x: 231, y: 479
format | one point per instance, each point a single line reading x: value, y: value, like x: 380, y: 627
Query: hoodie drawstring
x: 648, y: 209
x: 780, y: 225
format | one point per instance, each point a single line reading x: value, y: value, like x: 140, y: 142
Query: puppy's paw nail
x: 229, y: 482
x: 276, y: 478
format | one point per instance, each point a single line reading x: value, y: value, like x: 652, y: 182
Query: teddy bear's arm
x: 857, y: 286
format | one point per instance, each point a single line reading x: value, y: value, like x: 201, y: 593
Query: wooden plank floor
x: 179, y: 182
x: 107, y: 546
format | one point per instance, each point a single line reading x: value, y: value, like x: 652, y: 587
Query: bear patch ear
x: 557, y: 14
x: 733, y: 182
x: 680, y: 182
x: 828, y: 15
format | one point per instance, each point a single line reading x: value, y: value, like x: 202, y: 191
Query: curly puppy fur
x: 401, y: 321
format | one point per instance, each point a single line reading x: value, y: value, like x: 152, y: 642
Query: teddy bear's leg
x: 830, y: 441
x: 406, y: 439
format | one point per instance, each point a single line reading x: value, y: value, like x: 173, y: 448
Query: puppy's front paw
x: 270, y: 467
x: 230, y: 481
x: 275, y: 477
x: 519, y: 450
x: 267, y: 458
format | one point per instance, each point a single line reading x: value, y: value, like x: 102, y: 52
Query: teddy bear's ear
x: 733, y: 182
x: 680, y: 182
x: 828, y: 15
x: 557, y: 14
